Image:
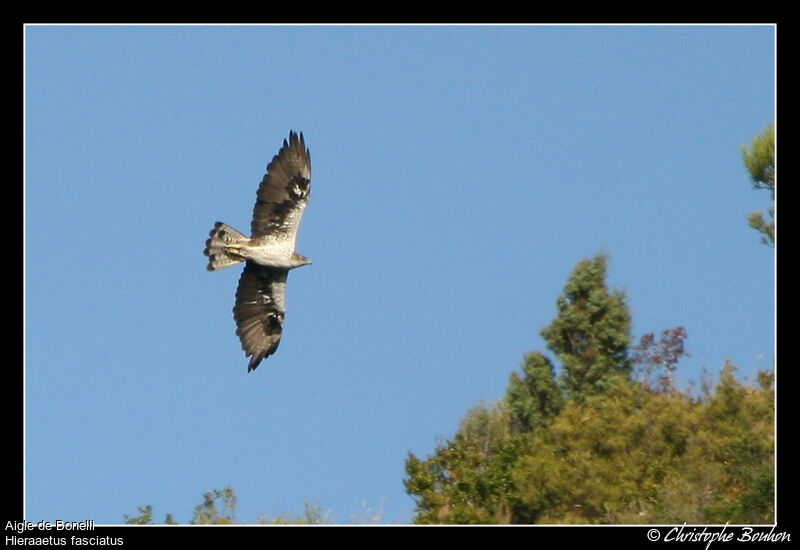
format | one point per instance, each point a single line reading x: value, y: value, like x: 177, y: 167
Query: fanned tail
x: 219, y: 255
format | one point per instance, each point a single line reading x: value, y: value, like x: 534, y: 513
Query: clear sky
x: 459, y: 173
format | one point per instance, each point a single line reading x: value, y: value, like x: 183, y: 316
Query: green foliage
x: 312, y: 515
x: 612, y: 441
x: 604, y: 457
x: 627, y: 455
x: 591, y: 334
x: 467, y: 480
x: 739, y: 447
x: 759, y: 159
x: 219, y: 508
x: 145, y: 517
x: 533, y: 398
x: 208, y: 513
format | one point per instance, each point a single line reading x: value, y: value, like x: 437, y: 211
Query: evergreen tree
x: 469, y: 479
x: 591, y: 334
x: 533, y: 398
x: 759, y: 159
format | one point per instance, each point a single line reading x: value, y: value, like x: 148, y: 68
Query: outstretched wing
x: 259, y: 310
x: 283, y: 193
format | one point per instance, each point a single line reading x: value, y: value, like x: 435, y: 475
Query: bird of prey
x: 269, y: 253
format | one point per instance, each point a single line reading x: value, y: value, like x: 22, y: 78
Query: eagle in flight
x: 269, y: 253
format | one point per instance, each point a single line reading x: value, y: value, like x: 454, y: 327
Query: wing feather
x: 259, y: 310
x: 283, y: 193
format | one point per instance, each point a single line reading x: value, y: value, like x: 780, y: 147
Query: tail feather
x: 219, y: 256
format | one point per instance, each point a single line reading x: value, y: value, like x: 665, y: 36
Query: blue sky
x: 458, y: 175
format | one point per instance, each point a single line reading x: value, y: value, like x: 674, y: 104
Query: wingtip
x: 295, y: 137
x: 254, y: 363
x: 256, y: 358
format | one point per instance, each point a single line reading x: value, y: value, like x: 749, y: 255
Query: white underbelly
x: 278, y: 253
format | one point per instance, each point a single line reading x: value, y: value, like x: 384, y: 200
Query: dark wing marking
x: 259, y: 310
x: 284, y: 190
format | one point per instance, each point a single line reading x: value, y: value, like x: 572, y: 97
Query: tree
x: 737, y: 440
x: 533, y: 398
x: 610, y: 441
x: 591, y: 334
x: 633, y: 455
x: 219, y: 508
x: 759, y: 159
x: 603, y: 458
x: 145, y: 517
x: 659, y: 359
x: 312, y: 515
x: 468, y: 479
x: 207, y: 512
